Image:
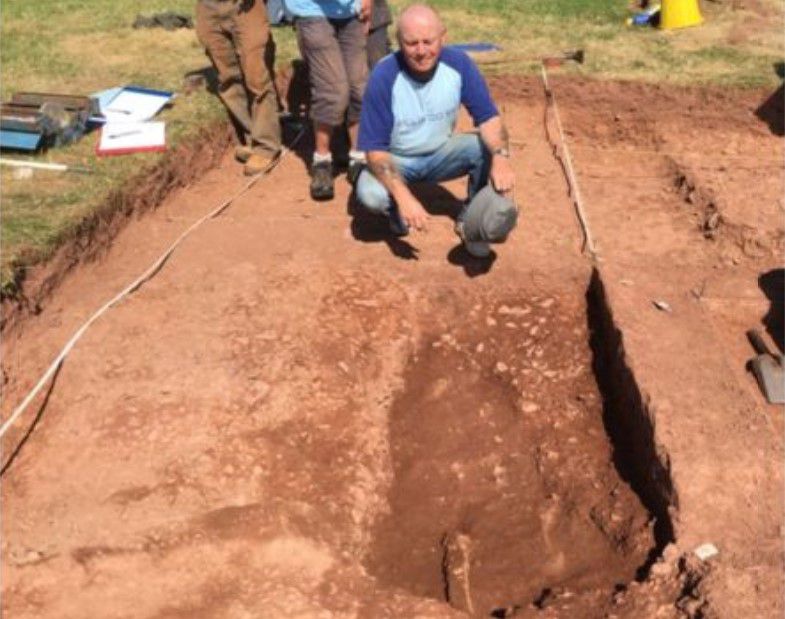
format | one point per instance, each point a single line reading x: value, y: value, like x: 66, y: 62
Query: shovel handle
x: 757, y: 342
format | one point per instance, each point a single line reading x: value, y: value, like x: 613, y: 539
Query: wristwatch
x: 502, y: 152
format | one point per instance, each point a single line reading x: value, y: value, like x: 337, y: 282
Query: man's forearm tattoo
x: 385, y: 170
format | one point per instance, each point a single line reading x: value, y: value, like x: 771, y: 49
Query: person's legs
x: 319, y: 47
x: 378, y: 45
x: 352, y: 41
x: 213, y: 29
x: 357, y: 160
x: 252, y: 36
x: 270, y: 50
x: 378, y: 42
x: 463, y: 153
x: 488, y: 219
x: 373, y: 196
x: 322, y: 134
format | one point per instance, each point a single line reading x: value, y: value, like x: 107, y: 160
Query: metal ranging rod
x: 588, y: 241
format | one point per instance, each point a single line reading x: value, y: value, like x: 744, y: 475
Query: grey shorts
x: 337, y: 66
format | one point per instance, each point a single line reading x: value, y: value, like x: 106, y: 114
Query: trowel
x: 768, y: 369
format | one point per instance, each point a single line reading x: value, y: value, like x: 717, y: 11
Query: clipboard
x: 133, y: 137
x: 132, y: 103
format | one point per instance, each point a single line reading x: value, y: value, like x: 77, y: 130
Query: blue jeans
x: 462, y: 154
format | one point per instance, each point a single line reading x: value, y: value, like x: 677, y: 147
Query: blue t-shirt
x: 407, y: 117
x: 331, y: 9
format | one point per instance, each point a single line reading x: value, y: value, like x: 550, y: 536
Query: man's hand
x: 494, y: 136
x: 409, y: 207
x: 413, y: 213
x: 502, y: 175
x: 366, y: 6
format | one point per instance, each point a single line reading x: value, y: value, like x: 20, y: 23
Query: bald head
x: 419, y: 16
x: 420, y: 36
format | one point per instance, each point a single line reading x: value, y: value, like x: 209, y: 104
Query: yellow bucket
x: 679, y: 14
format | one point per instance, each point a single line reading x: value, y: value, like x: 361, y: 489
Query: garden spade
x: 768, y: 369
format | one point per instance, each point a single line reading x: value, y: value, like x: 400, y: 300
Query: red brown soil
x: 498, y: 442
x: 88, y: 241
x: 299, y: 416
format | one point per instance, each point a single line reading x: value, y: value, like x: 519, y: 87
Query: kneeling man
x: 408, y: 116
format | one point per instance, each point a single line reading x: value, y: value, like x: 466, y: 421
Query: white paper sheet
x: 119, y: 138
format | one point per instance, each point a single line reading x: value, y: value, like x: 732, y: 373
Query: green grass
x: 595, y: 10
x: 734, y: 46
x: 82, y: 46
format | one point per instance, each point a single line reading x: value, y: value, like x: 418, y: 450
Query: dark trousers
x: 378, y: 45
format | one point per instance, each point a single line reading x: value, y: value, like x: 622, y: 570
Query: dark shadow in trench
x: 772, y: 110
x: 772, y: 283
x: 628, y: 422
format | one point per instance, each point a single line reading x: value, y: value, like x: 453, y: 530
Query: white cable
x: 152, y: 270
x: 573, y: 181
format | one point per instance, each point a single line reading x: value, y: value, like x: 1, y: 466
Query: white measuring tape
x: 150, y: 272
x: 588, y: 241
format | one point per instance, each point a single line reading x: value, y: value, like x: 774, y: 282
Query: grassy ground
x: 735, y: 46
x: 82, y: 46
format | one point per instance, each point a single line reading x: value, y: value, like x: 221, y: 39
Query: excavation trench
x: 514, y: 446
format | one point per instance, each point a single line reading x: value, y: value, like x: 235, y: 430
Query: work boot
x: 322, y: 181
x: 242, y: 153
x: 259, y: 162
x: 356, y: 166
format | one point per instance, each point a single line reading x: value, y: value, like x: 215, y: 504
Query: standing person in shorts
x: 332, y: 37
x: 236, y: 37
